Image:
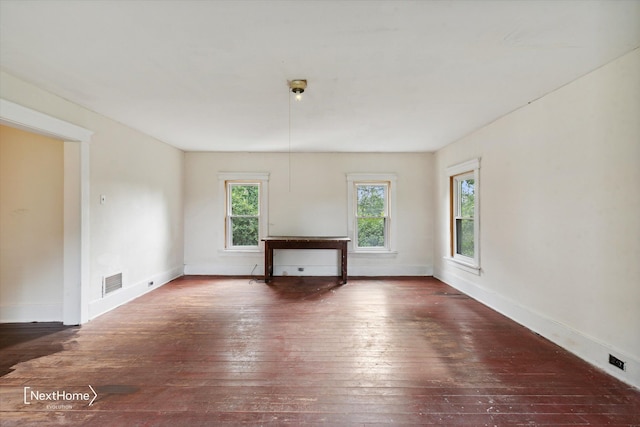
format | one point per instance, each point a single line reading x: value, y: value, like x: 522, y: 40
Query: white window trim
x: 363, y: 178
x: 471, y: 265
x: 249, y: 177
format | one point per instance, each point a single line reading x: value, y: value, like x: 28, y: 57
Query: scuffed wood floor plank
x: 304, y: 352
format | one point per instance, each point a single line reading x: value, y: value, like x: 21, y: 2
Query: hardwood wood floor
x: 301, y: 352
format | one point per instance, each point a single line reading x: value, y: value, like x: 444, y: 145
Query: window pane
x: 371, y: 232
x: 371, y: 200
x: 467, y: 199
x: 464, y: 237
x: 244, y: 231
x: 245, y: 199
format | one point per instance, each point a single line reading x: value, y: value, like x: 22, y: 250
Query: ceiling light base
x: 297, y: 87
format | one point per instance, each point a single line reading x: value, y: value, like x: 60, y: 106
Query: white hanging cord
x: 289, y: 94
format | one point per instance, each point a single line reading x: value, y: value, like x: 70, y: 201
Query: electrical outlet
x: 616, y: 362
x: 300, y: 268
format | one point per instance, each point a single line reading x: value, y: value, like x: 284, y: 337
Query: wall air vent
x: 111, y: 283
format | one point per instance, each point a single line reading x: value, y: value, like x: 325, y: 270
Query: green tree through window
x: 464, y: 186
x: 465, y: 217
x: 244, y: 212
x: 371, y: 215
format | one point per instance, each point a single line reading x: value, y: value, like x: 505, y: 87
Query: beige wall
x: 314, y: 204
x: 560, y: 215
x: 31, y: 226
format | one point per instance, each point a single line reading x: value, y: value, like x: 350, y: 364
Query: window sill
x: 468, y: 267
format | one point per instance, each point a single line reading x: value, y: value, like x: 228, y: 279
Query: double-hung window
x: 464, y: 215
x: 245, y: 210
x: 371, y: 212
x: 464, y: 219
x: 243, y: 214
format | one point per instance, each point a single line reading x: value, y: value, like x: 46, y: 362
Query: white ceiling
x: 383, y: 75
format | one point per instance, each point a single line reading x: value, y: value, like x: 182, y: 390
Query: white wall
x: 139, y: 230
x: 560, y: 216
x: 314, y: 204
x: 31, y: 227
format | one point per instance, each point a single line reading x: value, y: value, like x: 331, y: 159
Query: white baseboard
x: 25, y: 313
x: 391, y: 270
x: 256, y: 269
x: 129, y: 293
x: 587, y: 348
x: 310, y: 270
x: 314, y: 270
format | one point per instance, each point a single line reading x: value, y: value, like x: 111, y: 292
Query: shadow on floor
x: 303, y: 287
x: 20, y: 342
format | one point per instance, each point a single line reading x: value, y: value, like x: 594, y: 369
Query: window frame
x: 229, y: 216
x: 456, y: 174
x: 389, y: 181
x: 226, y: 181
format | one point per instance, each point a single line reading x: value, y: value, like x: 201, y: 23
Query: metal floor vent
x: 111, y: 283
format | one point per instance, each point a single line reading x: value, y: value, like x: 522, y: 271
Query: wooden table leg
x: 343, y: 252
x: 268, y: 262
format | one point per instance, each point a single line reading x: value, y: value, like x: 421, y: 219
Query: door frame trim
x: 75, y: 305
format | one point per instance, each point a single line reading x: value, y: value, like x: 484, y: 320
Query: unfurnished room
x: 305, y: 213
